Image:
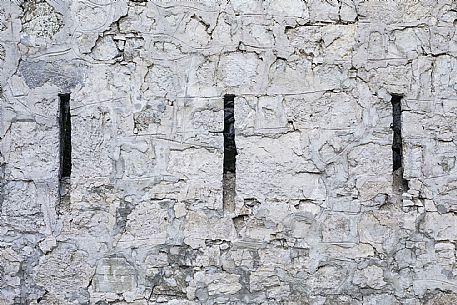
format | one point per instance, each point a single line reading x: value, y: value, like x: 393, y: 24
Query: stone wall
x: 314, y: 213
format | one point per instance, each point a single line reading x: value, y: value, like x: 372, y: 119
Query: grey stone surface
x: 317, y: 217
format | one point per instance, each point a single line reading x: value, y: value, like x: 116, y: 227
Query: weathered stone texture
x: 317, y: 217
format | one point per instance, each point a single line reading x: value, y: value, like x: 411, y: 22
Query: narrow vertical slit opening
x: 397, y: 146
x: 400, y: 184
x: 65, y: 136
x: 65, y: 151
x: 229, y: 167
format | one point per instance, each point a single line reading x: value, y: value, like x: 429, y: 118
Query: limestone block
x: 199, y: 227
x: 133, y: 46
x: 395, y: 79
x: 338, y: 299
x: 201, y: 76
x: 283, y: 179
x: 138, y: 158
x: 339, y: 228
x: 224, y: 32
x: 372, y: 277
x: 318, y: 109
x: 264, y: 278
x: 241, y: 71
x: 148, y: 223
x: 442, y: 298
x: 370, y: 188
x: 348, y: 12
x: 200, y: 116
x: 240, y: 257
x: 289, y: 76
x: 440, y: 226
x: 217, y: 283
x: 4, y: 19
x: 413, y: 125
x: 195, y: 166
x: 422, y: 76
x: 445, y: 253
x: 246, y: 6
x: 73, y: 278
x: 441, y: 160
x: 224, y: 284
x: 276, y: 257
x: 198, y: 27
x: 349, y: 251
x: 363, y: 162
x: 36, y: 73
x: 378, y: 230
x: 290, y: 8
x: 264, y: 114
x: 41, y: 19
x: 155, y: 118
x: 327, y: 276
x: 323, y: 11
x: 162, y: 80
x: 389, y: 14
x: 105, y: 49
x: 413, y: 158
x: 10, y: 282
x: 349, y: 206
x: 256, y: 32
x: 381, y: 299
x: 408, y: 42
x: 114, y: 274
x: 20, y: 199
x: 443, y: 76
x: 145, y: 20
x: 433, y: 278
x: 92, y: 131
x: 30, y: 160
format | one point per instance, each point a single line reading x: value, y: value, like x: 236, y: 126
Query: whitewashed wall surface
x: 296, y: 152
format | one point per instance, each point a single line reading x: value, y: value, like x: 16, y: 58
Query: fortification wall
x: 118, y: 178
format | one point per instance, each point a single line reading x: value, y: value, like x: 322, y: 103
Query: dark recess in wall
x: 229, y: 134
x: 229, y: 173
x: 397, y: 154
x: 400, y: 184
x: 65, y: 136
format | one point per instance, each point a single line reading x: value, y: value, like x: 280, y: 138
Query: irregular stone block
x: 116, y: 275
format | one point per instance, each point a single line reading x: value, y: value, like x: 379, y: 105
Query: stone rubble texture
x: 317, y: 217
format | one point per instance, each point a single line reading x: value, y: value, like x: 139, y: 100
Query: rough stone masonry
x: 228, y: 152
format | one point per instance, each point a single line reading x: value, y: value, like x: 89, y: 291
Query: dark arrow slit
x: 229, y: 167
x: 396, y: 127
x: 65, y: 136
x: 400, y: 184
